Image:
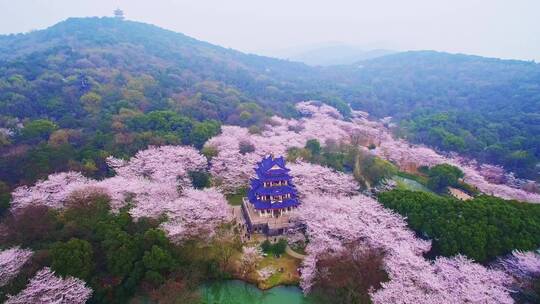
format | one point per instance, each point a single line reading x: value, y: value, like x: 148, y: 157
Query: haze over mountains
x: 328, y: 54
x: 483, y: 107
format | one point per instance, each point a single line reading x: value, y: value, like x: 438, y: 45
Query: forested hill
x: 484, y: 107
x: 90, y: 87
x: 174, y: 59
x: 86, y: 88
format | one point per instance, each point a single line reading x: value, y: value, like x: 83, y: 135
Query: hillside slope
x: 85, y: 88
x: 483, y: 107
x: 89, y: 87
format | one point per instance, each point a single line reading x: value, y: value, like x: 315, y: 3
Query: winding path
x: 293, y: 253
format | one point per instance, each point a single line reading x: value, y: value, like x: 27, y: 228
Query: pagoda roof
x: 271, y: 167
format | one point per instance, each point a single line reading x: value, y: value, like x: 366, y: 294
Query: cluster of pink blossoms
x: 52, y: 192
x: 155, y: 182
x: 311, y: 178
x: 11, y: 262
x: 474, y: 178
x: 251, y: 255
x: 331, y: 222
x: 145, y: 195
x: 524, y: 267
x: 196, y: 213
x: 323, y: 123
x: 165, y: 164
x: 46, y: 287
x: 522, y: 264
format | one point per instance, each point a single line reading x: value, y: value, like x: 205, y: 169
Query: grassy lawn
x: 289, y: 275
x: 236, y: 198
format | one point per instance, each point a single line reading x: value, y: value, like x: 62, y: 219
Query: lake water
x: 410, y: 184
x: 238, y: 292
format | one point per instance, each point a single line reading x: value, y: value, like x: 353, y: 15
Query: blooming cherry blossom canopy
x: 11, y: 262
x: 155, y: 182
x: 324, y: 123
x: 331, y: 222
x: 46, y: 287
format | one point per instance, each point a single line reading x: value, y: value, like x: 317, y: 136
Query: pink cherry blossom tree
x: 166, y: 164
x: 11, y: 262
x: 407, y: 156
x: 491, y: 173
x: 474, y: 178
x: 312, y: 178
x: 447, y: 280
x: 51, y: 192
x: 250, y: 257
x: 46, y: 287
x: 232, y: 170
x: 196, y: 213
x: 146, y: 196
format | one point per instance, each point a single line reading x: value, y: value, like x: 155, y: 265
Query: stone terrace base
x: 267, y: 225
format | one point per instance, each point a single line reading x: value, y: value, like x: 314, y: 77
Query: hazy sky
x: 495, y: 28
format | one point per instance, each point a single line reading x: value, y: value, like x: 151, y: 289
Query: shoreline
x: 264, y: 287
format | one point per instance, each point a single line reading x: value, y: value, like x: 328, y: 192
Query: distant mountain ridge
x: 337, y: 55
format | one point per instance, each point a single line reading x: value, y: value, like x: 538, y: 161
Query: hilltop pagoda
x: 271, y: 198
x: 118, y: 14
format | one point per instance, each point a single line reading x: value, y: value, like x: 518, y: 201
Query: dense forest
x: 87, y: 88
x: 482, y: 228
